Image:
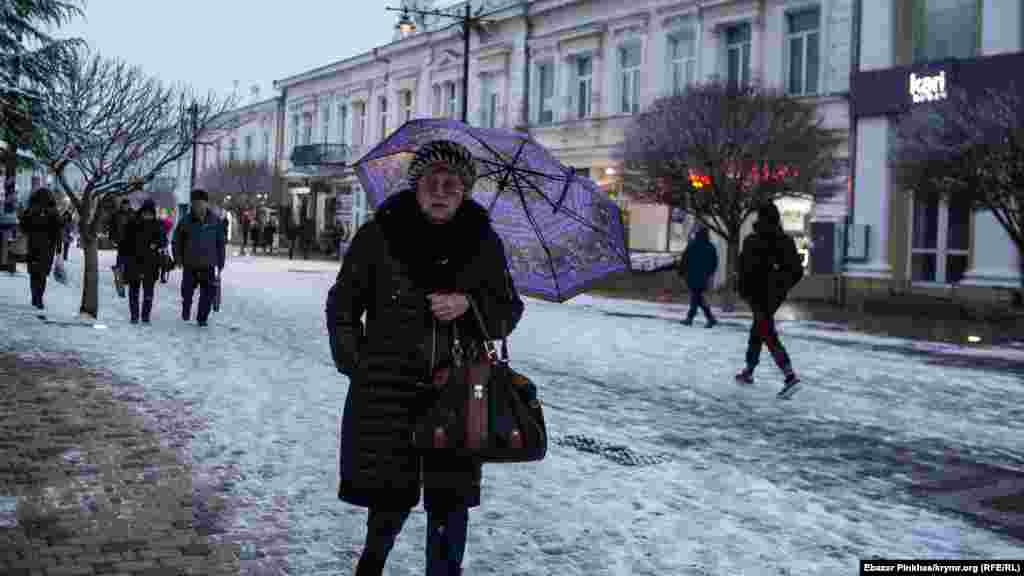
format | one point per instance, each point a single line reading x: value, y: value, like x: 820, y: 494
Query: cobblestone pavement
x: 95, y: 491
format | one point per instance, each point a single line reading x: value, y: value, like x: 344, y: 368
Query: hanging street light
x: 405, y: 24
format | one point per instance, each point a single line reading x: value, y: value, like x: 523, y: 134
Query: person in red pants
x: 769, y: 268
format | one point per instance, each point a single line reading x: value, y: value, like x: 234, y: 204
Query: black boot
x: 147, y: 307
x: 186, y: 311
x: 133, y: 309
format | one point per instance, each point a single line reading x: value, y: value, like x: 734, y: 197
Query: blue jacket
x: 199, y: 244
x: 700, y: 261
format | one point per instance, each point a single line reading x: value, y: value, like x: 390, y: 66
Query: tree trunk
x: 732, y: 275
x: 90, y: 250
x: 90, y: 278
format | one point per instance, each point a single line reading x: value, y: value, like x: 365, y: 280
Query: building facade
x: 901, y: 242
x: 572, y: 74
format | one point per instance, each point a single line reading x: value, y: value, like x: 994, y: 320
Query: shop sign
x: 928, y: 88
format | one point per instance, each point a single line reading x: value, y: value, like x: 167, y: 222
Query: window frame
x: 451, y: 99
x: 325, y: 120
x: 407, y: 103
x: 382, y: 115
x: 919, y: 32
x: 582, y: 84
x: 675, y: 38
x: 629, y: 75
x: 941, y: 251
x: 803, y: 35
x: 545, y: 105
x: 248, y: 147
x: 744, y: 48
x: 343, y: 123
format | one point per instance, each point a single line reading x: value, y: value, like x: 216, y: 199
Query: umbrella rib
x: 540, y: 237
x: 565, y: 191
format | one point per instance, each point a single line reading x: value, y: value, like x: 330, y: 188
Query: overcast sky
x: 211, y: 43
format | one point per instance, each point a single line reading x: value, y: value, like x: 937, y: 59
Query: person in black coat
x: 42, y: 226
x: 256, y: 234
x: 698, y: 266
x: 269, y: 231
x: 142, y: 244
x: 769, y: 268
x: 115, y: 232
x: 412, y: 270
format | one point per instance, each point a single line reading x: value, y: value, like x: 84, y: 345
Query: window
x: 383, y: 108
x: 407, y: 105
x: 325, y: 120
x: 682, y: 53
x: 361, y: 125
x: 546, y: 92
x: 488, y: 102
x: 451, y: 96
x: 737, y: 55
x: 295, y: 129
x: 248, y: 147
x: 232, y: 148
x: 803, y: 47
x: 946, y: 29
x: 266, y: 147
x: 343, y: 124
x: 629, y: 80
x: 307, y: 128
x: 941, y: 239
x: 584, y: 69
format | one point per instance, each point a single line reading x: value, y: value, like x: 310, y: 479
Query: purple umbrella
x: 561, y: 233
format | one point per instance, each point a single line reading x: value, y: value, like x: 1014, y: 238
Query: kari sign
x: 928, y: 88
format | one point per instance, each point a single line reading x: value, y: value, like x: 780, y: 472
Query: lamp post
x: 467, y: 21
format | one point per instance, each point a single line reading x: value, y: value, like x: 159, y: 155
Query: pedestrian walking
x: 269, y: 231
x: 769, y: 268
x: 698, y: 265
x: 143, y: 241
x: 42, y: 226
x: 293, y: 237
x: 430, y: 249
x: 68, y: 232
x: 115, y: 232
x: 256, y: 234
x: 199, y: 250
x: 166, y: 262
x: 243, y: 225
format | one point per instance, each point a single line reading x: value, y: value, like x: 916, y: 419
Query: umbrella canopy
x: 561, y: 233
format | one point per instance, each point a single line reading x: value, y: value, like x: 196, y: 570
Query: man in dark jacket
x: 699, y: 263
x: 143, y: 241
x: 413, y: 270
x: 769, y: 268
x: 199, y: 250
x: 42, y: 226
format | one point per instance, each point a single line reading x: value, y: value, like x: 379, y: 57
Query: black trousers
x: 697, y: 301
x: 191, y: 278
x: 146, y: 283
x: 37, y: 274
x: 445, y: 546
x: 763, y: 331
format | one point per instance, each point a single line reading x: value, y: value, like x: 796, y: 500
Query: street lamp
x: 467, y: 21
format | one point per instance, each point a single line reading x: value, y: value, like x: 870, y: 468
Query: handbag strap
x: 487, y: 337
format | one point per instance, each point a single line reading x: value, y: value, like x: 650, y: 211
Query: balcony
x: 310, y: 155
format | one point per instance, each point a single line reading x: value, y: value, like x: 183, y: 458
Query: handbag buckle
x: 491, y: 350
x: 478, y: 391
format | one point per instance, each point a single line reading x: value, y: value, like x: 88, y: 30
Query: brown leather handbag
x: 486, y: 410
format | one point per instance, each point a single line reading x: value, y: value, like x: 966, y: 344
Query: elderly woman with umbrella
x: 413, y: 270
x: 449, y: 200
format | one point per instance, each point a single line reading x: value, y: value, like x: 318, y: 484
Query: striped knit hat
x: 452, y: 155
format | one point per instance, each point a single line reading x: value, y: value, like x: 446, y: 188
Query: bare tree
x: 110, y: 129
x: 718, y: 152
x: 29, y: 59
x: 971, y: 149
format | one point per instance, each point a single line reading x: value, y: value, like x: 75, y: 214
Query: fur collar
x: 432, y: 253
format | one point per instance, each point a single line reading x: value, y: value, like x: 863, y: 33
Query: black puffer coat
x: 140, y: 247
x: 394, y: 261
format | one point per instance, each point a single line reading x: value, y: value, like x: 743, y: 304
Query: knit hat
x: 453, y: 156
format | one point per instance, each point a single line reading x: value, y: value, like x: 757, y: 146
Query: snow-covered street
x: 659, y: 463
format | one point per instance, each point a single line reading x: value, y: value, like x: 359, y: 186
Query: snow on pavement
x: 659, y: 463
